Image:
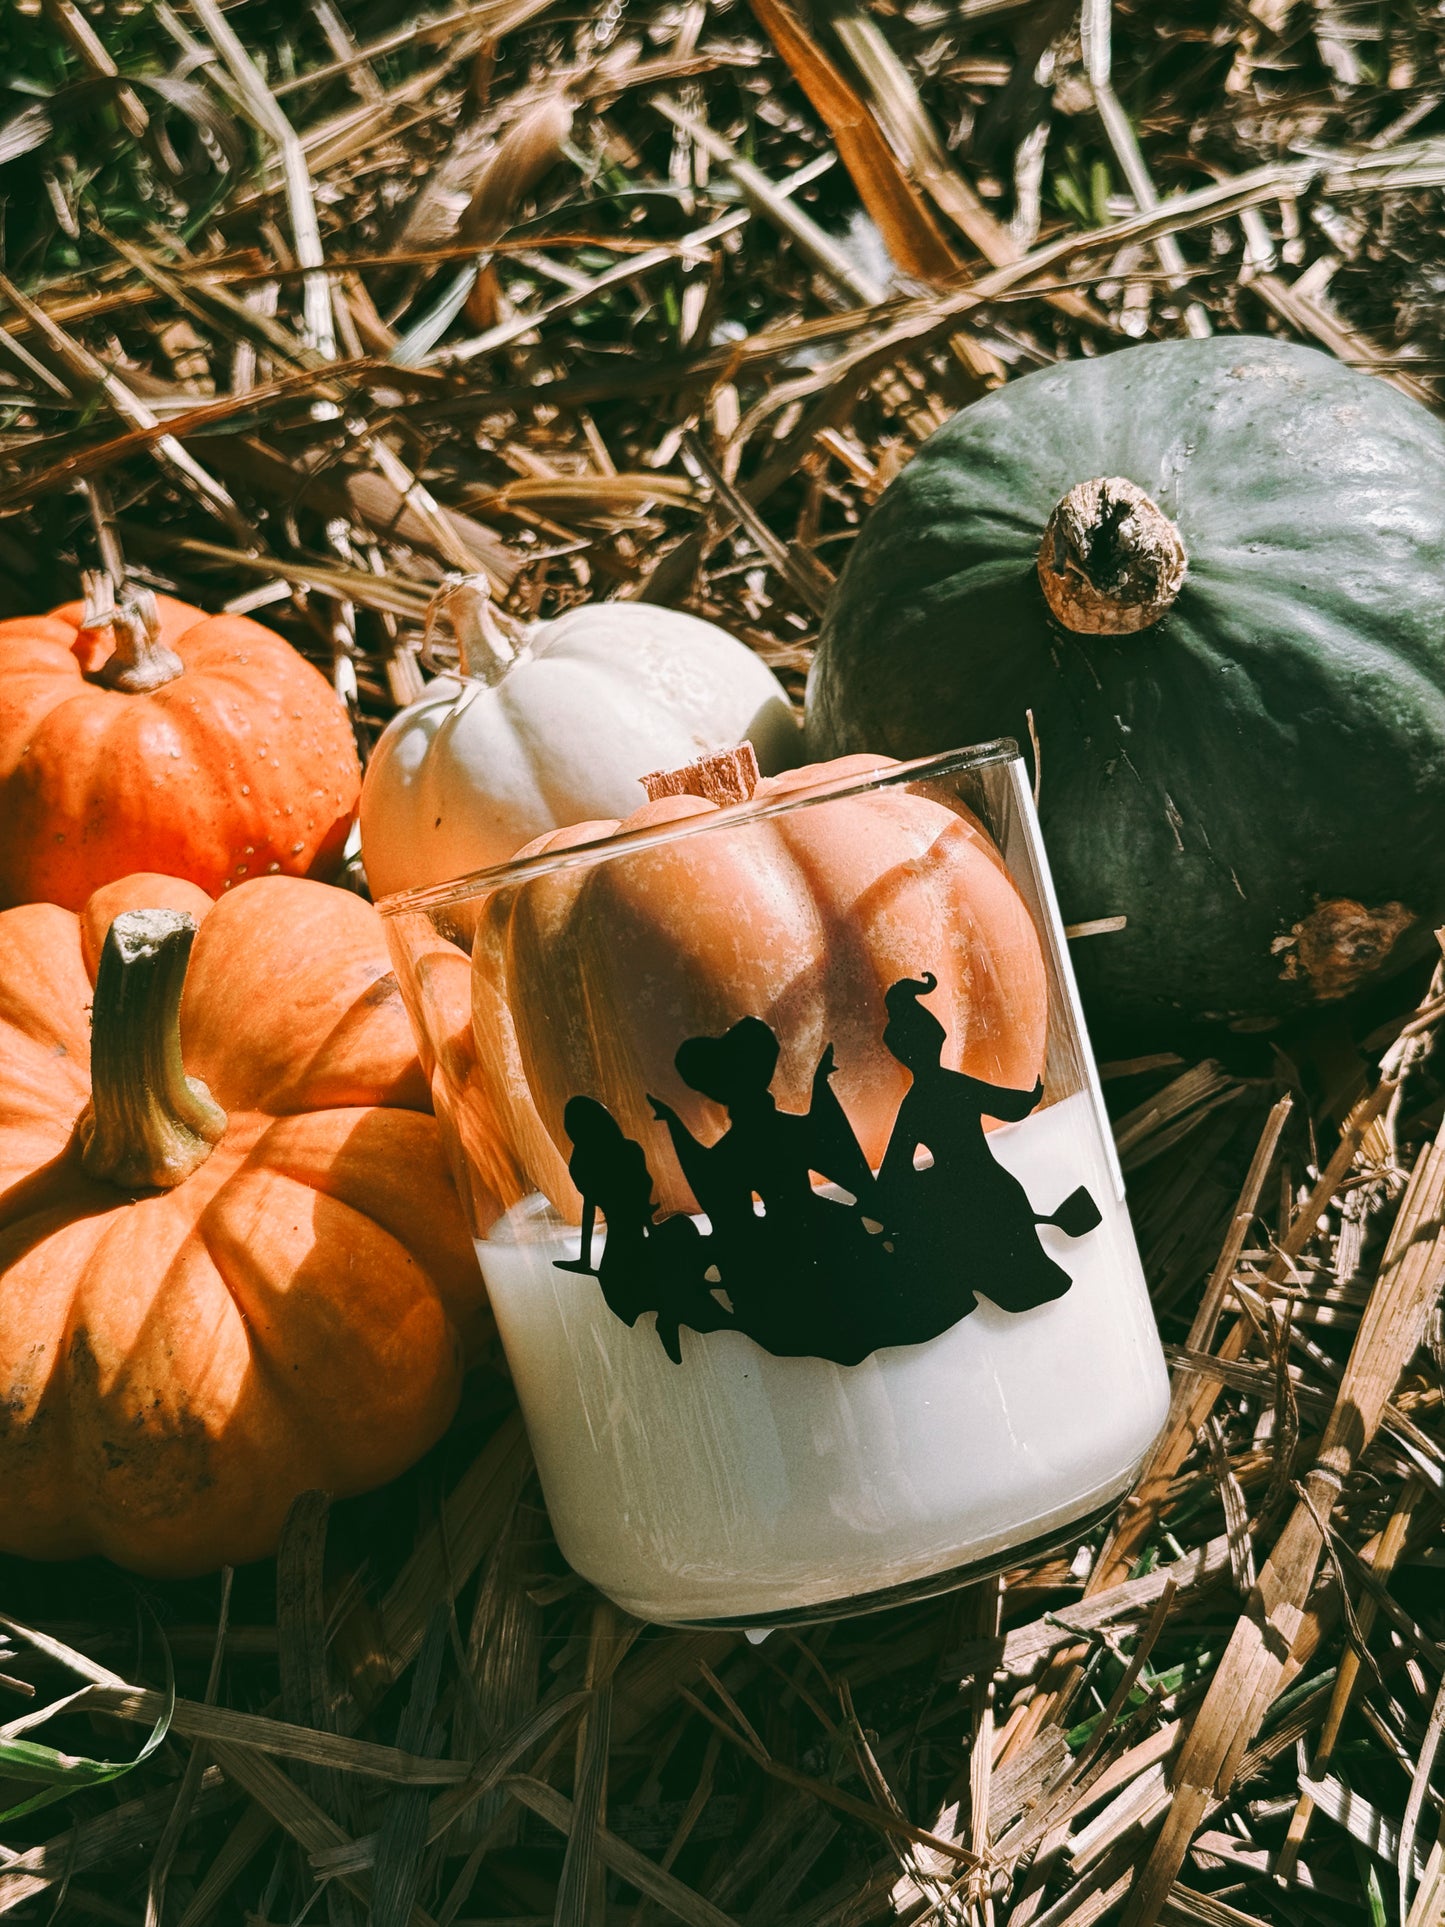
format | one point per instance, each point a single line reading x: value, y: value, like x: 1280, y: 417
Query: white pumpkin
x: 554, y: 727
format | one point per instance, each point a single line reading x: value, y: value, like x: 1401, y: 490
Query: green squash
x: 1234, y: 652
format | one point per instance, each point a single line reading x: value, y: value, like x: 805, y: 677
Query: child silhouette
x: 797, y: 1265
x: 644, y: 1266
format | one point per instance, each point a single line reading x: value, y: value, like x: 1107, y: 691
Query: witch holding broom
x: 952, y: 1211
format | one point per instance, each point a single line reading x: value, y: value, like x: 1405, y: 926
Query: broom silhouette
x: 1077, y: 1215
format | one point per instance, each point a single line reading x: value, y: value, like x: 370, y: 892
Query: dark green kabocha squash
x: 1215, y: 572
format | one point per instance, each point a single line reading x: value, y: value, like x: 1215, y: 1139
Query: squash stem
x: 147, y: 1123
x: 729, y: 776
x: 485, y: 651
x: 1111, y: 562
x: 140, y: 660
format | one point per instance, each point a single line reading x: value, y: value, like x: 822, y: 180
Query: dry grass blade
x: 910, y: 234
x: 581, y: 1901
x: 764, y: 194
x: 767, y: 199
x: 87, y: 370
x: 91, y: 49
x: 268, y: 117
x: 1185, y: 1908
x: 254, y: 1732
x: 372, y: 592
x: 98, y: 1841
x: 397, y: 1865
x: 912, y: 135
x: 1429, y: 1903
x: 633, y: 1867
x: 301, y: 1613
x: 1097, y: 35
x: 1405, y: 1864
x: 1310, y: 319
x: 191, y: 1779
x: 1387, y: 1550
x: 503, y: 1657
x: 1019, y: 1651
x: 1249, y: 1674
x: 446, y: 1557
x: 1193, y: 1398
x: 801, y: 569
x: 554, y: 1716
x: 308, y: 1824
x: 490, y: 14
x: 242, y: 1842
x: 306, y: 1697
x: 528, y: 150
x: 521, y: 159
x: 882, y: 1817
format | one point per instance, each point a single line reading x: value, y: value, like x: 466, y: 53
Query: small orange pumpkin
x: 158, y: 738
x: 232, y: 1264
x: 586, y: 981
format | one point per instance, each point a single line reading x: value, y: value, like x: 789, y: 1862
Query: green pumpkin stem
x: 140, y: 660
x: 1111, y: 562
x: 147, y: 1123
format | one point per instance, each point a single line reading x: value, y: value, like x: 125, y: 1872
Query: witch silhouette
x: 644, y: 1266
x: 800, y: 1268
x: 961, y: 1221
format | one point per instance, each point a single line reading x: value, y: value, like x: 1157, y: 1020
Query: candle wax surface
x: 739, y: 1484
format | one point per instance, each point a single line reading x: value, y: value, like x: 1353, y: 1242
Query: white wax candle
x: 739, y: 1484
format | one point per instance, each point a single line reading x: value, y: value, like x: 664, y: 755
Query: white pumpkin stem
x: 140, y: 661
x: 730, y: 776
x: 1111, y: 562
x: 147, y: 1123
x: 485, y: 651
x: 97, y: 606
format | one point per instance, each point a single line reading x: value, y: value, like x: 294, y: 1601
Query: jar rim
x: 888, y: 775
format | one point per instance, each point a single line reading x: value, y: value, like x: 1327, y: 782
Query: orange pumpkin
x: 586, y: 981
x: 159, y: 738
x: 232, y: 1264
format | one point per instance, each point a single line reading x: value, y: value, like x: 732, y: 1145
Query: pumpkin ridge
x: 42, y: 1112
x: 73, y: 780
x: 400, y: 1382
x: 268, y: 830
x: 721, y: 929
x: 126, y: 795
x: 52, y: 996
x: 141, y: 1431
x: 279, y: 1075
x: 149, y: 1425
x: 49, y: 630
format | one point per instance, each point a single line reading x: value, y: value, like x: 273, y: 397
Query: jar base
x: 930, y: 1586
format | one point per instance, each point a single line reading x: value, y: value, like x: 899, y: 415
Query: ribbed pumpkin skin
x: 1276, y: 739
x: 586, y: 981
x: 244, y: 766
x: 176, y: 1366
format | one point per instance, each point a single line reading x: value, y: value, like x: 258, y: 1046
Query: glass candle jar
x: 793, y: 1189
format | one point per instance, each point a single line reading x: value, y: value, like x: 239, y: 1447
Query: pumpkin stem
x: 730, y: 776
x: 140, y: 660
x: 1111, y: 562
x: 485, y: 651
x: 147, y: 1123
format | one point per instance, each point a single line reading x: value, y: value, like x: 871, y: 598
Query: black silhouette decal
x: 807, y: 1273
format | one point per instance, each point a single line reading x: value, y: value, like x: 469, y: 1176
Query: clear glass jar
x: 793, y: 1190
